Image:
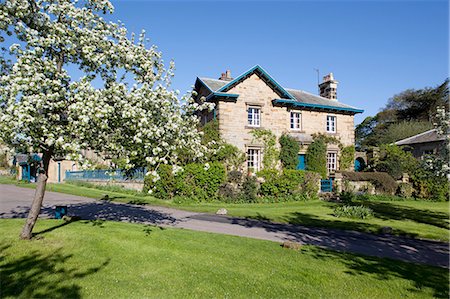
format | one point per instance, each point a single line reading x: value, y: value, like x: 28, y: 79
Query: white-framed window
x: 254, y: 159
x: 331, y: 124
x: 254, y: 116
x: 331, y: 162
x: 296, y: 120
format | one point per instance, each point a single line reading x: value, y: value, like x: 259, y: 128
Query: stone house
x: 254, y: 100
x: 427, y: 143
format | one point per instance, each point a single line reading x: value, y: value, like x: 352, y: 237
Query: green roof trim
x: 223, y: 96
x: 253, y: 70
x: 316, y: 106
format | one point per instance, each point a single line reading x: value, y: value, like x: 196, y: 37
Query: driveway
x: 15, y: 202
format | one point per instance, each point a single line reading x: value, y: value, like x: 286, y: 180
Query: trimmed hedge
x: 381, y: 180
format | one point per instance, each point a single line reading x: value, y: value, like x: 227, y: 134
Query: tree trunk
x: 27, y: 231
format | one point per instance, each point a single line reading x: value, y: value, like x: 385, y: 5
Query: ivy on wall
x: 316, y: 157
x: 346, y: 157
x: 269, y: 140
x: 289, y: 149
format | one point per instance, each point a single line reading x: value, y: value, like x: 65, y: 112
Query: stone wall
x: 132, y: 185
x: 253, y: 91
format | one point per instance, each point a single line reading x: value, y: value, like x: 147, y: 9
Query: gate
x: 326, y: 185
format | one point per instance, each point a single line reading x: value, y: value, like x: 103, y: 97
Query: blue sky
x: 374, y: 48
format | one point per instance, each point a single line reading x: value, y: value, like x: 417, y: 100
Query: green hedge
x: 295, y: 184
x: 195, y: 181
x: 382, y: 181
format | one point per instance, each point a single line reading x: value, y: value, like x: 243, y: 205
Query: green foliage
x: 196, y: 181
x: 316, y: 157
x: 429, y: 186
x: 395, y: 161
x: 406, y: 114
x: 347, y: 196
x: 3, y: 160
x: 405, y: 190
x: 346, y: 157
x: 269, y: 140
x: 230, y: 156
x: 289, y: 151
x: 210, y: 132
x: 166, y: 186
x: 291, y: 184
x: 355, y: 212
x: 250, y: 189
x: 382, y: 181
x: 221, y: 151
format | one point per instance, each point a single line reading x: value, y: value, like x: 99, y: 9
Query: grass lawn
x: 422, y: 219
x: 118, y: 260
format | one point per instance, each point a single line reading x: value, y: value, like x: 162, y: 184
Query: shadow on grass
x: 389, y: 211
x: 384, y: 269
x: 53, y: 228
x: 37, y: 275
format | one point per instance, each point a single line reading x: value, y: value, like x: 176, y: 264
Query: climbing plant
x: 271, y: 153
x: 316, y: 157
x: 346, y: 157
x: 289, y: 149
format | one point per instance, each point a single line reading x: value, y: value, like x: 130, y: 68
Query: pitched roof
x: 427, y: 136
x: 293, y: 97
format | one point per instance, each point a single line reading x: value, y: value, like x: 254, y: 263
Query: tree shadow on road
x: 37, y: 275
x: 102, y: 210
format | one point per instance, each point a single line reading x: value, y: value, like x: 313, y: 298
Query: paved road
x: 15, y: 202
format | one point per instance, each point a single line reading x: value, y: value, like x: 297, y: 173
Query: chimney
x: 226, y: 76
x: 328, y: 88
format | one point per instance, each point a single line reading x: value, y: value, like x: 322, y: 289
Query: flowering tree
x: 121, y: 104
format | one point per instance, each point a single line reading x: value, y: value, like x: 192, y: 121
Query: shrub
x: 355, y: 212
x: 395, y: 161
x: 311, y: 184
x: 235, y: 176
x: 289, y: 149
x: 165, y: 187
x: 290, y: 185
x: 347, y: 196
x: 316, y: 157
x: 405, y: 190
x: 196, y: 181
x: 429, y: 186
x: 383, y: 182
x: 250, y: 189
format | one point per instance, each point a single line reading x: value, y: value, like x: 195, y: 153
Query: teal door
x: 301, y: 162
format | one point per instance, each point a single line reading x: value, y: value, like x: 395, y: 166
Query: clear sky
x: 374, y: 48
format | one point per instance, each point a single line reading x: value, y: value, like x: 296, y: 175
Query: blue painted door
x: 301, y: 162
x: 25, y: 172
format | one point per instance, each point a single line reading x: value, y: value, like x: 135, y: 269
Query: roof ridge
x: 415, y: 136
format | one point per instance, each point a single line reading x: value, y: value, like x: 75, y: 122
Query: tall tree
x: 121, y: 105
x: 406, y: 114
